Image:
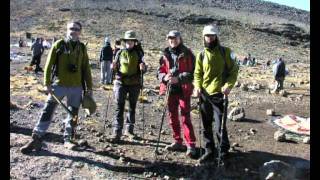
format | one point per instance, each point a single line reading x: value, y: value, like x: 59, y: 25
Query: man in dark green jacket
x: 128, y: 65
x: 215, y: 74
x: 72, y: 75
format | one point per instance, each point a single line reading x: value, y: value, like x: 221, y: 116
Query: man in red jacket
x: 176, y: 70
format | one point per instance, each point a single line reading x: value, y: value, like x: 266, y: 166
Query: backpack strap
x: 59, y: 51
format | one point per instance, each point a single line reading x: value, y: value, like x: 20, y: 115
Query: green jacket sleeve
x: 233, y: 69
x: 198, y: 72
x: 51, y: 58
x: 87, y: 70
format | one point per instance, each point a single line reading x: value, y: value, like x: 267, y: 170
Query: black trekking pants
x: 208, y: 116
x: 36, y: 60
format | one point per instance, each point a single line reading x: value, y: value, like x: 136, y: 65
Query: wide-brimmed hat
x: 89, y: 104
x: 129, y: 35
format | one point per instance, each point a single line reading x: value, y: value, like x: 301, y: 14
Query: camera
x: 72, y: 68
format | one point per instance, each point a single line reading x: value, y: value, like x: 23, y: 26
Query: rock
x: 283, y: 93
x: 237, y: 114
x: 306, y: 140
x: 166, y: 177
x: 246, y: 137
x: 279, y: 136
x: 122, y: 159
x: 244, y: 87
x: 163, y: 132
x: 152, y: 126
x: 270, y: 112
x: 237, y: 84
x: 235, y: 145
x: 258, y: 86
x: 148, y: 174
x: 277, y: 168
x: 252, y: 131
x: 246, y: 170
x: 270, y: 176
x: 240, y: 130
x: 151, y: 133
x: 268, y: 91
x: 299, y: 97
x: 199, y: 19
x: 64, y: 9
x: 78, y: 165
x: 292, y: 85
x: 109, y: 149
x: 83, y: 142
x: 98, y: 134
x: 301, y: 82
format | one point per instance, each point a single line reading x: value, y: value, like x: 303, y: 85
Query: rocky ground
x: 252, y: 138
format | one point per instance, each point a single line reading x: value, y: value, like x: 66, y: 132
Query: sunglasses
x: 171, y: 37
x: 210, y: 35
x: 74, y: 29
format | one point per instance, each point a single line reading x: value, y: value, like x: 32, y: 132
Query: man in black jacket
x: 279, y: 72
x: 106, y: 56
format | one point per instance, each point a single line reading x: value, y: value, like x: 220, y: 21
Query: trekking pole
x: 223, y: 123
x: 162, y: 117
x: 108, y: 103
x: 143, y: 121
x: 74, y: 117
x: 200, y: 126
x: 107, y: 109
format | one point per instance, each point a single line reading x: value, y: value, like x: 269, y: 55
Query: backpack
x: 222, y: 50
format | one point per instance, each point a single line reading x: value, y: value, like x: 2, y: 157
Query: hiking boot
x: 207, y: 156
x: 175, y: 147
x: 34, y: 144
x: 130, y: 135
x: 191, y: 151
x: 115, y: 138
x: 69, y: 145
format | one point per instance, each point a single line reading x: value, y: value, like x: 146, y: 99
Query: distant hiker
x: 20, y: 42
x: 67, y: 73
x: 127, y: 66
x: 245, y: 61
x: 117, y: 47
x: 215, y: 74
x: 279, y: 73
x: 106, y: 56
x: 37, y: 51
x: 176, y: 70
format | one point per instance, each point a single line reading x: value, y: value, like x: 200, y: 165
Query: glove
x: 225, y: 90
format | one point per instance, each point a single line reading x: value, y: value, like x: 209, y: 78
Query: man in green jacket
x: 128, y: 66
x: 215, y: 74
x: 69, y: 63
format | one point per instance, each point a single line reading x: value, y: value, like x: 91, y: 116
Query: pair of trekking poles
x: 216, y: 109
x: 222, y: 126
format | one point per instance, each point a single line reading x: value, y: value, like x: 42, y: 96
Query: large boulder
x: 237, y: 114
x: 276, y: 169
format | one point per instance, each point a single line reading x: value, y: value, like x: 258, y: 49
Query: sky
x: 299, y: 4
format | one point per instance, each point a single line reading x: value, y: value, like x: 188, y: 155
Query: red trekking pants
x: 174, y: 101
